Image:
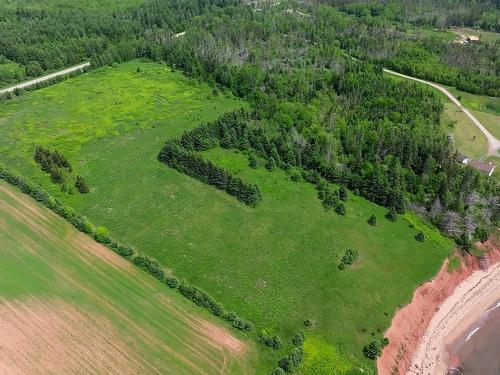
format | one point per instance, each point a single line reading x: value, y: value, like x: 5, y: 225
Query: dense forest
x: 313, y: 76
x: 483, y: 14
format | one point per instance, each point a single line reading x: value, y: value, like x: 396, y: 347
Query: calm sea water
x: 479, y: 349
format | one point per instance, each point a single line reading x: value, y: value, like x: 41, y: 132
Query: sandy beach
x: 457, y: 313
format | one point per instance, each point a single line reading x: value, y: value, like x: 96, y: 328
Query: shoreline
x: 454, y: 318
x: 440, y: 311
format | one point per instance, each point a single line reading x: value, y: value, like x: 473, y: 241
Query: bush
x: 121, y: 249
x: 343, y: 194
x: 391, y: 215
x: 101, y: 235
x: 270, y: 164
x: 172, y: 282
x: 298, y: 338
x: 420, y: 237
x: 56, y: 175
x: 292, y: 360
x: 252, y: 161
x: 373, y: 350
x: 349, y: 257
x: 481, y: 234
x: 372, y: 220
x: 149, y: 265
x: 81, y: 185
x: 308, y: 322
x: 273, y: 341
x: 340, y: 209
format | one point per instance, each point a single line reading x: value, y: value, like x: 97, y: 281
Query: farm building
x: 486, y: 168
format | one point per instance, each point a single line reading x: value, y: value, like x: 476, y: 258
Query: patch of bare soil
x: 222, y: 338
x: 54, y: 337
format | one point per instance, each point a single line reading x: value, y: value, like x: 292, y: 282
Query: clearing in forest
x: 276, y: 265
x: 68, y: 304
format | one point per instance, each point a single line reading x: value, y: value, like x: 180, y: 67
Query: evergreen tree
x: 56, y: 175
x: 420, y: 237
x: 340, y: 209
x: 271, y: 164
x: 81, y: 185
x: 372, y: 220
x: 343, y: 194
x: 253, y: 162
x: 391, y: 215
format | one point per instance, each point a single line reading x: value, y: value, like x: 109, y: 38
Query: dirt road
x: 493, y: 143
x: 45, y: 78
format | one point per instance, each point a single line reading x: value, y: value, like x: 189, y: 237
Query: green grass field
x: 99, y: 312
x: 276, y: 264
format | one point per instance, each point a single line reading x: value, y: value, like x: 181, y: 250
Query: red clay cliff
x: 409, y: 323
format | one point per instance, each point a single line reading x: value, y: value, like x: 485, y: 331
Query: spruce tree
x: 391, y: 215
x: 270, y: 164
x: 343, y: 194
x: 56, y: 175
x: 420, y: 237
x: 81, y: 185
x: 253, y: 161
x: 372, y: 220
x: 340, y: 209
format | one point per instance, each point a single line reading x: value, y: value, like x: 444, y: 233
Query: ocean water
x: 479, y: 349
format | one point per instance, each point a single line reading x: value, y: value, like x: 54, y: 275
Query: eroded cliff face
x: 410, y: 323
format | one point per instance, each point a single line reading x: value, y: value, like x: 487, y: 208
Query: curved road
x: 493, y: 143
x: 45, y: 78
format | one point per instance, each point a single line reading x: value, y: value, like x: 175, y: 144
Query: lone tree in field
x: 420, y: 237
x: 373, y: 350
x: 372, y: 220
x: 81, y: 185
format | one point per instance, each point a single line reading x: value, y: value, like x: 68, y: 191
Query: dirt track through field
x: 41, y: 335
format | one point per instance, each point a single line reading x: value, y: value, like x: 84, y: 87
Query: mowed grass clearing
x: 276, y: 265
x: 70, y: 305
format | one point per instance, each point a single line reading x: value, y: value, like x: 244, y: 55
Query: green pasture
x: 276, y: 264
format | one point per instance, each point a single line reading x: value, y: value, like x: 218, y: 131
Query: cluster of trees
x: 383, y: 143
x: 185, y: 161
x: 374, y: 349
x: 272, y: 340
x: 348, y: 258
x: 437, y: 14
x: 59, y: 168
x: 290, y: 362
